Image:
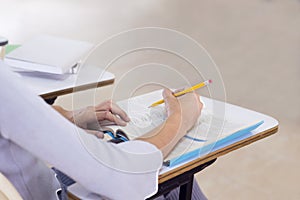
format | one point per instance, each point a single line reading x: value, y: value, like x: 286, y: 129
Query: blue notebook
x: 206, y: 148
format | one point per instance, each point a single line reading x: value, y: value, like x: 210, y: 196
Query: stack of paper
x: 48, y: 54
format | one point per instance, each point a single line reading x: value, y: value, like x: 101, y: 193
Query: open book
x: 48, y: 54
x: 211, y: 128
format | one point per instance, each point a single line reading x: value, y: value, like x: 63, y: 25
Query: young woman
x: 32, y: 133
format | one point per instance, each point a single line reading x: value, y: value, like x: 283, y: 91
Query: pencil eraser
x: 210, y: 81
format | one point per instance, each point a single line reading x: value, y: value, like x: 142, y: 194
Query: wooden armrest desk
x: 181, y: 176
x: 49, y: 89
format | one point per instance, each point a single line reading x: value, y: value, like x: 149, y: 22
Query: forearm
x: 67, y: 114
x: 167, y: 135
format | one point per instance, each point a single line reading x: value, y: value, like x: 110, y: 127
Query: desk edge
x: 170, y: 174
x: 77, y: 89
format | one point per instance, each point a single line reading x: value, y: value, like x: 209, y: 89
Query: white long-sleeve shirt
x: 32, y: 133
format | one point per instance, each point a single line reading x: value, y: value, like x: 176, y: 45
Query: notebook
x: 48, y: 54
x: 212, y: 128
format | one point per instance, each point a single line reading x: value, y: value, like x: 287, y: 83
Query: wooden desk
x: 183, y: 175
x: 49, y: 88
x: 215, y: 154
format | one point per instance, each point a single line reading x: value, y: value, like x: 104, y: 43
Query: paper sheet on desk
x: 30, y: 73
x: 42, y: 75
x: 209, y: 128
x: 49, y: 54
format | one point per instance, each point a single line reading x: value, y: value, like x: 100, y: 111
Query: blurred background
x: 255, y: 44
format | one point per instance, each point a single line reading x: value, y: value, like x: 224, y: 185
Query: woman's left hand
x: 92, y: 117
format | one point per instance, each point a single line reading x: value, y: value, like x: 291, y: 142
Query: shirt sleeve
x: 117, y: 171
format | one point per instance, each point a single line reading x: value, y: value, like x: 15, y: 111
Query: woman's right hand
x: 187, y: 107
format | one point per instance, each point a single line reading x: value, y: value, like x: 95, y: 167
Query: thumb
x: 168, y: 95
x: 171, y: 101
x: 178, y: 90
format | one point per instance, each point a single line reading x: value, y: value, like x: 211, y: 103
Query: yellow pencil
x: 195, y: 87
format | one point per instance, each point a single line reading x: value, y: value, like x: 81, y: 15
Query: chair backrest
x: 7, y: 190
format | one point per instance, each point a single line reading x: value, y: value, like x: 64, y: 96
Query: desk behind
x: 90, y: 77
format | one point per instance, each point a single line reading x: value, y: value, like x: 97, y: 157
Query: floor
x: 255, y: 45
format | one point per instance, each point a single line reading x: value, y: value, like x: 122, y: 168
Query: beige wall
x: 255, y: 43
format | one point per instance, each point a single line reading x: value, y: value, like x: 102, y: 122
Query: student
x: 32, y: 134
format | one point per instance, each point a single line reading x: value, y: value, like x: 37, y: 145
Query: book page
x: 143, y: 119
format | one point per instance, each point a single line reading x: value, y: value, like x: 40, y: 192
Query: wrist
x: 178, y: 124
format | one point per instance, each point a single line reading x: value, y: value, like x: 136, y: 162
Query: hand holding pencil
x: 195, y: 87
x: 182, y: 112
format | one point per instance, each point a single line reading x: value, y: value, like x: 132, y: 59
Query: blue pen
x: 195, y: 139
x: 119, y: 136
x: 110, y: 134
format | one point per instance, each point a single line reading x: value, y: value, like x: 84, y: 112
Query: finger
x: 171, y: 101
x: 178, y: 90
x: 168, y: 95
x: 98, y: 134
x: 200, y: 103
x: 114, y: 108
x: 195, y: 98
x: 106, y: 115
x: 102, y: 106
x: 106, y: 123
